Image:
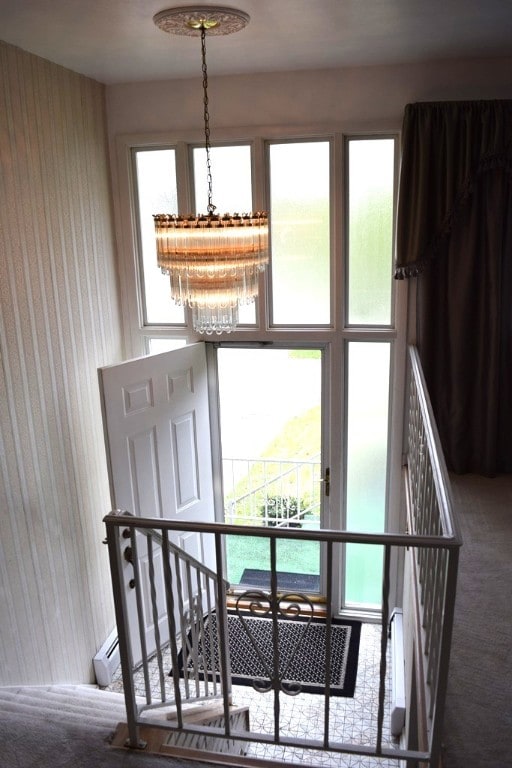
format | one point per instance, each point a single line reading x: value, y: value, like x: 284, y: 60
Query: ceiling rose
x: 191, y: 19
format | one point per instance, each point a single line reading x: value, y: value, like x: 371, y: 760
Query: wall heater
x: 107, y: 660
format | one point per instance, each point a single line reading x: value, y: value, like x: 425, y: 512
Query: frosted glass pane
x: 299, y: 222
x: 231, y: 179
x: 156, y: 187
x: 367, y: 455
x: 231, y: 191
x: 370, y: 223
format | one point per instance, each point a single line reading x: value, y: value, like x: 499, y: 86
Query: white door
x: 157, y: 434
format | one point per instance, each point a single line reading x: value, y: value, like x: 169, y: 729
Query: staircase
x: 80, y: 726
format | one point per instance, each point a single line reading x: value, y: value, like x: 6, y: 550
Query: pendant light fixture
x: 213, y: 261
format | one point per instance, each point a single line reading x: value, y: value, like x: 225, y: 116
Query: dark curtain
x: 454, y: 232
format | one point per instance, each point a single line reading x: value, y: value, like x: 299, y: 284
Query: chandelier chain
x: 211, y: 206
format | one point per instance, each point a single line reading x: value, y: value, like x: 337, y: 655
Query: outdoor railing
x: 271, y: 491
x: 432, y: 546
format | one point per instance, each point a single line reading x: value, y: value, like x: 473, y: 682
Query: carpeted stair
x: 68, y: 704
x: 66, y: 727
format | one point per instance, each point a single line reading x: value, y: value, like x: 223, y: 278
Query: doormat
x: 301, y: 653
x: 291, y: 582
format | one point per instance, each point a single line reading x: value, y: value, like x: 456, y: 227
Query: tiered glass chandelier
x: 213, y: 261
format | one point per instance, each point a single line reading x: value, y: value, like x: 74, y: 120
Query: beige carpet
x: 478, y: 722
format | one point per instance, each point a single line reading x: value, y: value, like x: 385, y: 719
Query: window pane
x: 156, y: 187
x: 367, y: 441
x: 299, y: 221
x: 231, y: 191
x: 370, y: 226
x: 231, y: 179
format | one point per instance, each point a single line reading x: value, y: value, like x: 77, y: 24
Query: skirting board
x: 398, y: 673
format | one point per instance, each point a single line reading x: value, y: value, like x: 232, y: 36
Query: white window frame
x: 332, y: 338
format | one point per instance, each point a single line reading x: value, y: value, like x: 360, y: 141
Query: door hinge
x: 326, y: 480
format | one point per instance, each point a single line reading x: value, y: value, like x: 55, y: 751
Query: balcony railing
x: 171, y: 590
x: 272, y: 491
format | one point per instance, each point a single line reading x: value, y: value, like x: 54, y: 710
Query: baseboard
x: 397, y: 673
x: 107, y: 660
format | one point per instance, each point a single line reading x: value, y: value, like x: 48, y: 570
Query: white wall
x: 362, y: 98
x: 59, y: 321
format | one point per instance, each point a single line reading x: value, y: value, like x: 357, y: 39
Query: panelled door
x: 157, y: 434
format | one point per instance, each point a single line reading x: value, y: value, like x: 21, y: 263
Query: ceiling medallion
x: 191, y: 19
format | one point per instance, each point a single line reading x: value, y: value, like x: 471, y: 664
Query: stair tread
x: 69, y: 703
x: 207, y: 713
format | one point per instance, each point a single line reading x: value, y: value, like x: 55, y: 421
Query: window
x: 328, y: 289
x: 370, y: 230
x: 157, y: 192
x: 300, y: 233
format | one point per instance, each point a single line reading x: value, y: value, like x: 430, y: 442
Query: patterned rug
x: 301, y: 647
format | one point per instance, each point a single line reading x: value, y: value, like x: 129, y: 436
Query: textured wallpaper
x: 59, y: 321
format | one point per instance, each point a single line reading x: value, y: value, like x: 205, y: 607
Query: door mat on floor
x: 302, y: 582
x: 301, y: 647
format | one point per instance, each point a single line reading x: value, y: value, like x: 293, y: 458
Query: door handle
x: 326, y: 480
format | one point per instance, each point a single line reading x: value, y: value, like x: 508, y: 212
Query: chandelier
x: 213, y: 261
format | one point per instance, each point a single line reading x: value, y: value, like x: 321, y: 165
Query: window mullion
x: 186, y: 194
x: 184, y: 178
x: 338, y: 246
x: 261, y: 202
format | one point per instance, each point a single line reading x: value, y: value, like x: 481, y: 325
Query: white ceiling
x: 116, y: 41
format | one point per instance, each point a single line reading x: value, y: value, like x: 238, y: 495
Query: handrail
x: 322, y: 534
x: 270, y: 460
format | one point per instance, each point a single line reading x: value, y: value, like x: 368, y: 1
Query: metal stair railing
x: 433, y: 571
x: 176, y: 583
x: 192, y: 592
x: 382, y: 746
